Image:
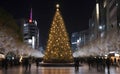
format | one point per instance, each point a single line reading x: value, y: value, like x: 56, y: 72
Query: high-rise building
x: 105, y: 23
x: 104, y: 29
x: 113, y: 16
x: 31, y: 34
x: 98, y: 20
x: 30, y: 31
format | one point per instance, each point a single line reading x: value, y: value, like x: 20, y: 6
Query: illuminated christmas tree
x: 58, y: 47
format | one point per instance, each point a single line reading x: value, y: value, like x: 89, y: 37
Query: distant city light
x: 100, y: 27
x: 25, y: 24
x: 105, y: 3
x: 97, y: 10
x: 74, y: 42
x: 30, y: 20
x: 78, y: 41
x: 30, y: 41
x: 33, y: 41
x: 36, y: 23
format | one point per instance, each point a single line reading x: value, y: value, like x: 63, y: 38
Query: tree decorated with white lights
x: 58, y: 47
x: 10, y: 36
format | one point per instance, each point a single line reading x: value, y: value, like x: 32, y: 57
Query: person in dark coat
x: 5, y: 63
x: 26, y: 63
x: 29, y: 62
x: 76, y: 64
x: 37, y: 62
x: 108, y: 63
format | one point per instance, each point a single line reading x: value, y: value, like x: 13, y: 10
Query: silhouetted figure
x: 29, y: 62
x: 108, y: 62
x: 99, y: 62
x: 118, y: 62
x: 5, y: 63
x: 37, y: 62
x: 89, y: 61
x: 115, y: 61
x: 26, y: 63
x: 76, y: 64
x: 108, y: 72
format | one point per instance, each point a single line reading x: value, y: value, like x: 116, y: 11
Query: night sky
x: 76, y: 13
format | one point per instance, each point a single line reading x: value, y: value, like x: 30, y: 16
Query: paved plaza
x: 84, y: 69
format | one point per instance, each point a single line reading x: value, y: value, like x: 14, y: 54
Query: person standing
x: 26, y: 63
x: 76, y: 64
x: 5, y: 62
x: 108, y: 62
x: 29, y: 62
x: 37, y: 62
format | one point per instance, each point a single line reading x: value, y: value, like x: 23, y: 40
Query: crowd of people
x: 26, y: 62
x: 99, y: 62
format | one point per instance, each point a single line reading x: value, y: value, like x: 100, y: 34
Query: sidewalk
x: 58, y: 70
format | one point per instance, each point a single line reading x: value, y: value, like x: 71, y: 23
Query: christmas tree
x: 58, y: 47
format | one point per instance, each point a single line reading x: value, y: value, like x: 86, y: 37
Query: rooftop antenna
x: 30, y: 19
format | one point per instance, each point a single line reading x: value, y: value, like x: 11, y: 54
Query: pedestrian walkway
x: 59, y: 70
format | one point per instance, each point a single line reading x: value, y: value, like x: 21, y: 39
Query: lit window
x: 25, y: 24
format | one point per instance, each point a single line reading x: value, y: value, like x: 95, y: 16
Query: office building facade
x: 79, y: 39
x: 31, y: 34
x: 30, y: 31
